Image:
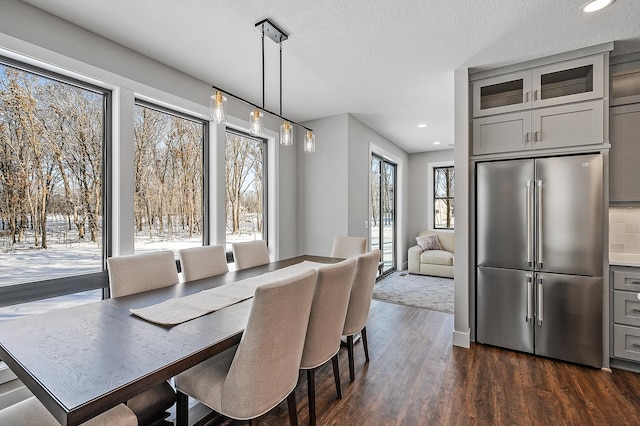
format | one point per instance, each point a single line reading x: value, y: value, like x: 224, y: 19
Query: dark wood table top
x: 81, y: 361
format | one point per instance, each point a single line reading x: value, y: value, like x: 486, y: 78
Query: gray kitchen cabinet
x: 624, y: 156
x: 558, y: 105
x: 577, y: 80
x: 625, y: 82
x: 626, y: 313
x: 502, y: 93
x: 564, y: 82
x: 502, y: 133
x: 552, y: 127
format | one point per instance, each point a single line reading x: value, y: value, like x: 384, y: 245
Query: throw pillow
x: 429, y: 242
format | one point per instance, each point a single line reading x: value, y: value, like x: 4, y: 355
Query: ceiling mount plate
x: 272, y: 31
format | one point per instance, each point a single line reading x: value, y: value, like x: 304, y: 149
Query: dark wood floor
x: 416, y: 377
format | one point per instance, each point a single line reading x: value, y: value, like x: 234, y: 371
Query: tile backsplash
x: 624, y: 230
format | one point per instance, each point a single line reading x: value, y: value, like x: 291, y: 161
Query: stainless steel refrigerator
x: 539, y: 256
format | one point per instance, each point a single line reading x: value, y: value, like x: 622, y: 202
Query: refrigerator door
x: 569, y: 214
x: 505, y: 308
x: 569, y: 318
x: 504, y: 224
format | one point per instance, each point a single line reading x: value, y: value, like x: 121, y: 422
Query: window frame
x: 450, y: 197
x: 204, y: 158
x: 265, y: 183
x: 14, y: 294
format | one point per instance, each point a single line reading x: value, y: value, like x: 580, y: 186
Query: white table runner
x: 182, y: 309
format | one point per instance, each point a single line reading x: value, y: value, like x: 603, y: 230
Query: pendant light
x: 255, y: 122
x: 309, y: 142
x: 218, y: 114
x: 217, y: 107
x: 286, y: 133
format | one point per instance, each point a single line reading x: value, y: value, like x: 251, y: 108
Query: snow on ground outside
x: 26, y: 264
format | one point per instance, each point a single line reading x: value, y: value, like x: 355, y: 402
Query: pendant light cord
x: 280, y: 77
x: 263, y: 69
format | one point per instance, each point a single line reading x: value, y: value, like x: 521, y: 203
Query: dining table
x: 84, y: 360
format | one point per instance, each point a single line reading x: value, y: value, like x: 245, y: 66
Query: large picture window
x: 53, y: 141
x: 169, y: 179
x: 443, y: 197
x: 245, y: 182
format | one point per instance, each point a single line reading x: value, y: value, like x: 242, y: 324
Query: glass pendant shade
x: 217, y: 107
x: 255, y: 123
x: 286, y: 134
x: 310, y: 142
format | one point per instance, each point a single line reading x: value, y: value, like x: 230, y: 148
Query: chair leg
x: 311, y: 392
x: 336, y: 375
x: 254, y: 422
x: 363, y: 333
x: 293, y: 408
x: 182, y: 409
x: 352, y: 373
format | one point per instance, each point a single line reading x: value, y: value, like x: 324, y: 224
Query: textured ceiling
x: 390, y: 63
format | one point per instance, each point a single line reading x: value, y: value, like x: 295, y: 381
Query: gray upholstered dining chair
x: 31, y: 412
x: 249, y: 254
x: 202, y: 262
x: 345, y: 247
x: 141, y: 272
x: 326, y: 321
x: 134, y: 274
x: 359, y: 303
x: 250, y: 379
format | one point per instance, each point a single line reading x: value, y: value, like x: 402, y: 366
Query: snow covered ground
x: 26, y: 264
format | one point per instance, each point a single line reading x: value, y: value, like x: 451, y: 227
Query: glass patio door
x: 382, y: 223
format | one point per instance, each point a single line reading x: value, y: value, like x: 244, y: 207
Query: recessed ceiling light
x: 595, y: 5
x: 422, y: 125
x: 436, y: 143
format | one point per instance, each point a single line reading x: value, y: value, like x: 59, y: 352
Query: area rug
x: 420, y: 291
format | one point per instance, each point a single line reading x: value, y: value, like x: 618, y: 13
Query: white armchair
x: 433, y: 262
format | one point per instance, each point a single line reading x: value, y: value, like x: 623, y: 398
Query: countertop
x: 620, y: 259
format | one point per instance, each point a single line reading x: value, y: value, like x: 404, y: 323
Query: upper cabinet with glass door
x: 625, y: 80
x: 559, y: 83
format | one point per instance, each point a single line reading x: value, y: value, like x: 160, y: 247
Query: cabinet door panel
x: 626, y: 308
x: 570, y: 81
x: 624, y: 156
x: 502, y: 133
x: 502, y: 93
x: 568, y: 125
x: 626, y: 342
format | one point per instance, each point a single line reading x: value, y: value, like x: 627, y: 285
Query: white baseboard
x: 462, y: 339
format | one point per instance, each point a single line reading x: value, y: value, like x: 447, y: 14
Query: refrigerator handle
x: 540, y: 300
x: 540, y: 226
x: 530, y: 223
x: 529, y: 297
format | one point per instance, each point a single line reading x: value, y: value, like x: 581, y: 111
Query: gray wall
x: 334, y: 183
x: 323, y: 197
